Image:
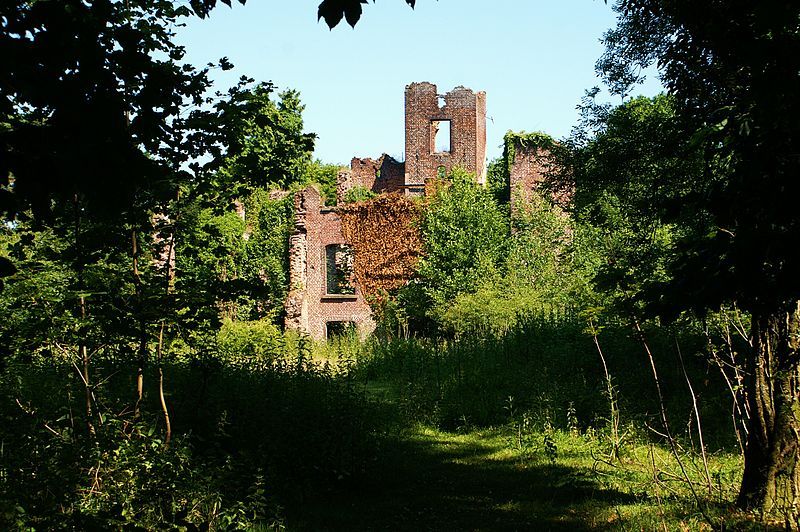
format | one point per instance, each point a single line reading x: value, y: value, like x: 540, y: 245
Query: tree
x: 233, y: 264
x: 733, y: 70
x: 262, y: 141
x: 632, y: 167
x: 463, y: 232
x: 94, y: 138
x: 326, y: 176
x: 91, y: 102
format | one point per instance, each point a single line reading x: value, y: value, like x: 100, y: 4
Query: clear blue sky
x: 534, y: 59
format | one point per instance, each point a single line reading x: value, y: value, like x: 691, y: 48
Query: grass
x: 550, y: 371
x: 429, y: 479
x: 510, y: 434
x: 493, y: 434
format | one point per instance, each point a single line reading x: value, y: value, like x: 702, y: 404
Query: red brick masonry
x: 308, y: 307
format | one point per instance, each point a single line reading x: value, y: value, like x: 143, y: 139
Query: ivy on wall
x: 384, y: 235
x: 529, y: 141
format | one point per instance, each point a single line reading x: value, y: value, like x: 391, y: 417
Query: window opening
x: 440, y: 136
x: 339, y: 270
x: 339, y: 329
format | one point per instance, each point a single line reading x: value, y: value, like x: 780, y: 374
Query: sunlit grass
x: 577, y: 483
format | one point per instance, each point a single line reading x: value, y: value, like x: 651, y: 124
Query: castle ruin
x: 442, y: 132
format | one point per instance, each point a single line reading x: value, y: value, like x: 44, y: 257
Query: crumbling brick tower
x: 321, y: 298
x: 429, y: 117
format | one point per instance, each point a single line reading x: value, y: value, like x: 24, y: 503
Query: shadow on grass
x: 439, y: 481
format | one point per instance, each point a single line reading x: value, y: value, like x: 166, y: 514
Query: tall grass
x: 265, y: 425
x: 253, y: 433
x: 550, y: 368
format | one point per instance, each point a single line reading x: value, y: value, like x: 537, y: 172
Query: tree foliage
x: 262, y: 141
x: 333, y: 11
x: 326, y: 177
x: 633, y: 168
x: 234, y: 264
x: 734, y: 83
x: 101, y: 86
x: 733, y: 70
x: 463, y: 233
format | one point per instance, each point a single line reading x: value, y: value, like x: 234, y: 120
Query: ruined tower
x: 444, y: 131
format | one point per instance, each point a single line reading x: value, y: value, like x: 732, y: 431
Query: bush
x: 463, y: 232
x: 357, y: 194
x: 240, y: 340
x: 492, y: 311
x: 254, y: 430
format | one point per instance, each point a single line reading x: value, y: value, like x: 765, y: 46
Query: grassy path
x: 432, y: 480
x: 487, y: 479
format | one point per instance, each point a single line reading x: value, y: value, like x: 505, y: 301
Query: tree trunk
x: 85, y: 376
x: 161, y: 398
x: 771, y: 479
x: 137, y: 281
x: 168, y: 272
x: 82, y: 347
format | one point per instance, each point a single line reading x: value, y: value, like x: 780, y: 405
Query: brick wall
x: 529, y: 170
x: 379, y: 176
x: 308, y: 307
x: 466, y: 112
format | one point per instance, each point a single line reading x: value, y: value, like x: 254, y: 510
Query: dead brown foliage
x: 385, y: 240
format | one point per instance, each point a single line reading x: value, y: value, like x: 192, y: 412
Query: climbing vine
x: 540, y: 142
x: 386, y: 242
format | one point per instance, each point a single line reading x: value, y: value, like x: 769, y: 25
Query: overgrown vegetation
x: 625, y: 361
x: 386, y: 242
x: 293, y: 427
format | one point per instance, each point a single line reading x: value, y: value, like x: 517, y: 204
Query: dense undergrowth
x: 293, y: 435
x: 251, y: 435
x: 548, y: 366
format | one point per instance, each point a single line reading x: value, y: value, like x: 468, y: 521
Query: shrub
x: 358, y: 194
x: 463, y: 232
x: 240, y: 340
